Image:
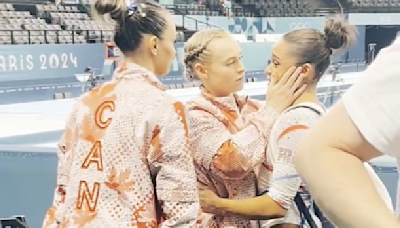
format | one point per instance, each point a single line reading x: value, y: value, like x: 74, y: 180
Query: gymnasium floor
x: 40, y: 124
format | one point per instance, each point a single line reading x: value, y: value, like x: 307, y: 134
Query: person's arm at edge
x: 338, y: 151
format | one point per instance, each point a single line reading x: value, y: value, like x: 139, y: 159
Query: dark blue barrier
x: 41, y: 92
x: 27, y: 65
x: 28, y: 178
x: 36, y: 72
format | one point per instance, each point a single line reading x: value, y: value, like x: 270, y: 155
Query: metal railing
x: 54, y: 36
x: 250, y: 10
x: 198, y: 22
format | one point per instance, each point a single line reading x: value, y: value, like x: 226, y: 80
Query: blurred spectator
x: 227, y: 7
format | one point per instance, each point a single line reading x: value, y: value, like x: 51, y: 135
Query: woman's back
x: 125, y: 160
x: 115, y: 142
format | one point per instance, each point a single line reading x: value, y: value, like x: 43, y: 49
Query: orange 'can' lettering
x: 99, y: 113
x: 87, y: 198
x: 94, y: 156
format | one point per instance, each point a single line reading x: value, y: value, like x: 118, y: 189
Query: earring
x: 154, y: 51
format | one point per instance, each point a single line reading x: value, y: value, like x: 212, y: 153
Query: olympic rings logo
x: 300, y: 25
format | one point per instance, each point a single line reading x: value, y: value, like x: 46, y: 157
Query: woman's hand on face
x: 208, y: 200
x: 281, y: 94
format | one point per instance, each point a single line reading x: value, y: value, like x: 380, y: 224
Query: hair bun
x: 116, y: 9
x: 339, y: 33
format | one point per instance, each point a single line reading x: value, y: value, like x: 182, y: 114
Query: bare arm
x: 362, y: 126
x: 285, y: 182
x: 257, y: 208
x: 341, y: 197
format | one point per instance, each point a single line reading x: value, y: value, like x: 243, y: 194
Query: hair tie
x: 132, y: 6
x: 327, y: 44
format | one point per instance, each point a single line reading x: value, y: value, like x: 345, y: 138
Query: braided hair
x: 196, y: 50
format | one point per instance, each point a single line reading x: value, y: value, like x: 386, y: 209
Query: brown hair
x: 142, y: 17
x: 312, y: 46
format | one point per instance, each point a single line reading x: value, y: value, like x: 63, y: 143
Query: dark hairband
x: 132, y: 6
x: 327, y: 43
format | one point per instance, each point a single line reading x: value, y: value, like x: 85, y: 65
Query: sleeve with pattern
x: 175, y: 181
x: 231, y: 156
x: 65, y: 156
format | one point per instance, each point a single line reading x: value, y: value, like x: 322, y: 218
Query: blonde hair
x: 196, y: 50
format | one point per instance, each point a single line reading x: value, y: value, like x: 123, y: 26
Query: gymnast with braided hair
x: 284, y: 200
x: 229, y: 133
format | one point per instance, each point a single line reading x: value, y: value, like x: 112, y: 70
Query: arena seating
x: 49, y: 24
x: 193, y: 9
x: 250, y: 8
x: 286, y: 8
x: 368, y: 6
x: 71, y: 18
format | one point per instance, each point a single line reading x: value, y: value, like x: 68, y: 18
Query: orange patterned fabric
x: 229, y: 136
x: 124, y: 160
